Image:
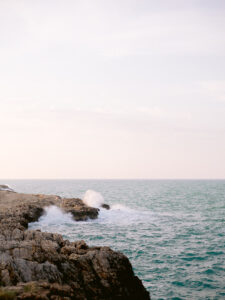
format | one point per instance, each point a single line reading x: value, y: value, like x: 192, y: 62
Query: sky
x: 112, y: 89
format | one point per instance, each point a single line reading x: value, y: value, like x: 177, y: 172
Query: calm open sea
x: 173, y: 231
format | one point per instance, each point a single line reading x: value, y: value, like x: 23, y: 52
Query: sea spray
x: 54, y: 216
x: 93, y: 199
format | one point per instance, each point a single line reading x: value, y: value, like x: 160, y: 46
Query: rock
x: 106, y: 206
x: 79, y: 210
x: 4, y: 187
x: 40, y: 265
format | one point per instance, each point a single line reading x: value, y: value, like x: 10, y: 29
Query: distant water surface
x: 172, y: 231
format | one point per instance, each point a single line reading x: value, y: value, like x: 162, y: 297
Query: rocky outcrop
x: 40, y: 265
x: 17, y: 209
x: 78, y: 209
x: 4, y: 187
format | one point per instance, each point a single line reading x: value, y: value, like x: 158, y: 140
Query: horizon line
x: 113, y: 178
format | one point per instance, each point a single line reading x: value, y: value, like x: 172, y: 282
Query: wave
x: 53, y: 215
x: 93, y: 199
x: 55, y: 218
x: 121, y: 214
x: 119, y: 206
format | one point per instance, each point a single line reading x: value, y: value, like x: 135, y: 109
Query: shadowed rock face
x: 39, y: 265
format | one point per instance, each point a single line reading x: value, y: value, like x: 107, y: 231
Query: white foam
x: 55, y: 220
x: 93, y: 198
x: 55, y: 216
x: 120, y: 214
x: 119, y: 206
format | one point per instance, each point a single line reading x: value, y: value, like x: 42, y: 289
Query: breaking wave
x: 93, y: 199
x: 56, y: 220
x: 53, y: 216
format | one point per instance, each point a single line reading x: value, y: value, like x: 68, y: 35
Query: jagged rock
x: 40, y: 265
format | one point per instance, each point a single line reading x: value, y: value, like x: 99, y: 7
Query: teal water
x: 171, y: 230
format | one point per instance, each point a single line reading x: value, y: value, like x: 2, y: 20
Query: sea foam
x: 53, y: 215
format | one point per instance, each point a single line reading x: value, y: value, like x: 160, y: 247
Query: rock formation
x: 4, y: 187
x: 40, y: 265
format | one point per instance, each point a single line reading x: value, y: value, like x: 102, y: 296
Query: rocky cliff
x: 39, y: 265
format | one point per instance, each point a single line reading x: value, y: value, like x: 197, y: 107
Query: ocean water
x: 173, y: 231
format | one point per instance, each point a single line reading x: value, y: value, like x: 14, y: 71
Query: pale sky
x: 112, y: 89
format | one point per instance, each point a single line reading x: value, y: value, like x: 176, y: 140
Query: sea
x: 172, y: 231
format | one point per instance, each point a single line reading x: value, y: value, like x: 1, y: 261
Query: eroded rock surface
x: 39, y: 265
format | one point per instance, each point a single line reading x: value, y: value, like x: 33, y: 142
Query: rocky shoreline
x: 40, y: 265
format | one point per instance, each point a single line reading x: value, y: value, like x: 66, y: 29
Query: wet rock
x: 106, y: 206
x: 79, y: 210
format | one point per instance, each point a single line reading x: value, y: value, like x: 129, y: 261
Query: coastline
x: 36, y: 264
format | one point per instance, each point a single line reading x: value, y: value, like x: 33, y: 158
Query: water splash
x: 53, y: 216
x: 93, y: 199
